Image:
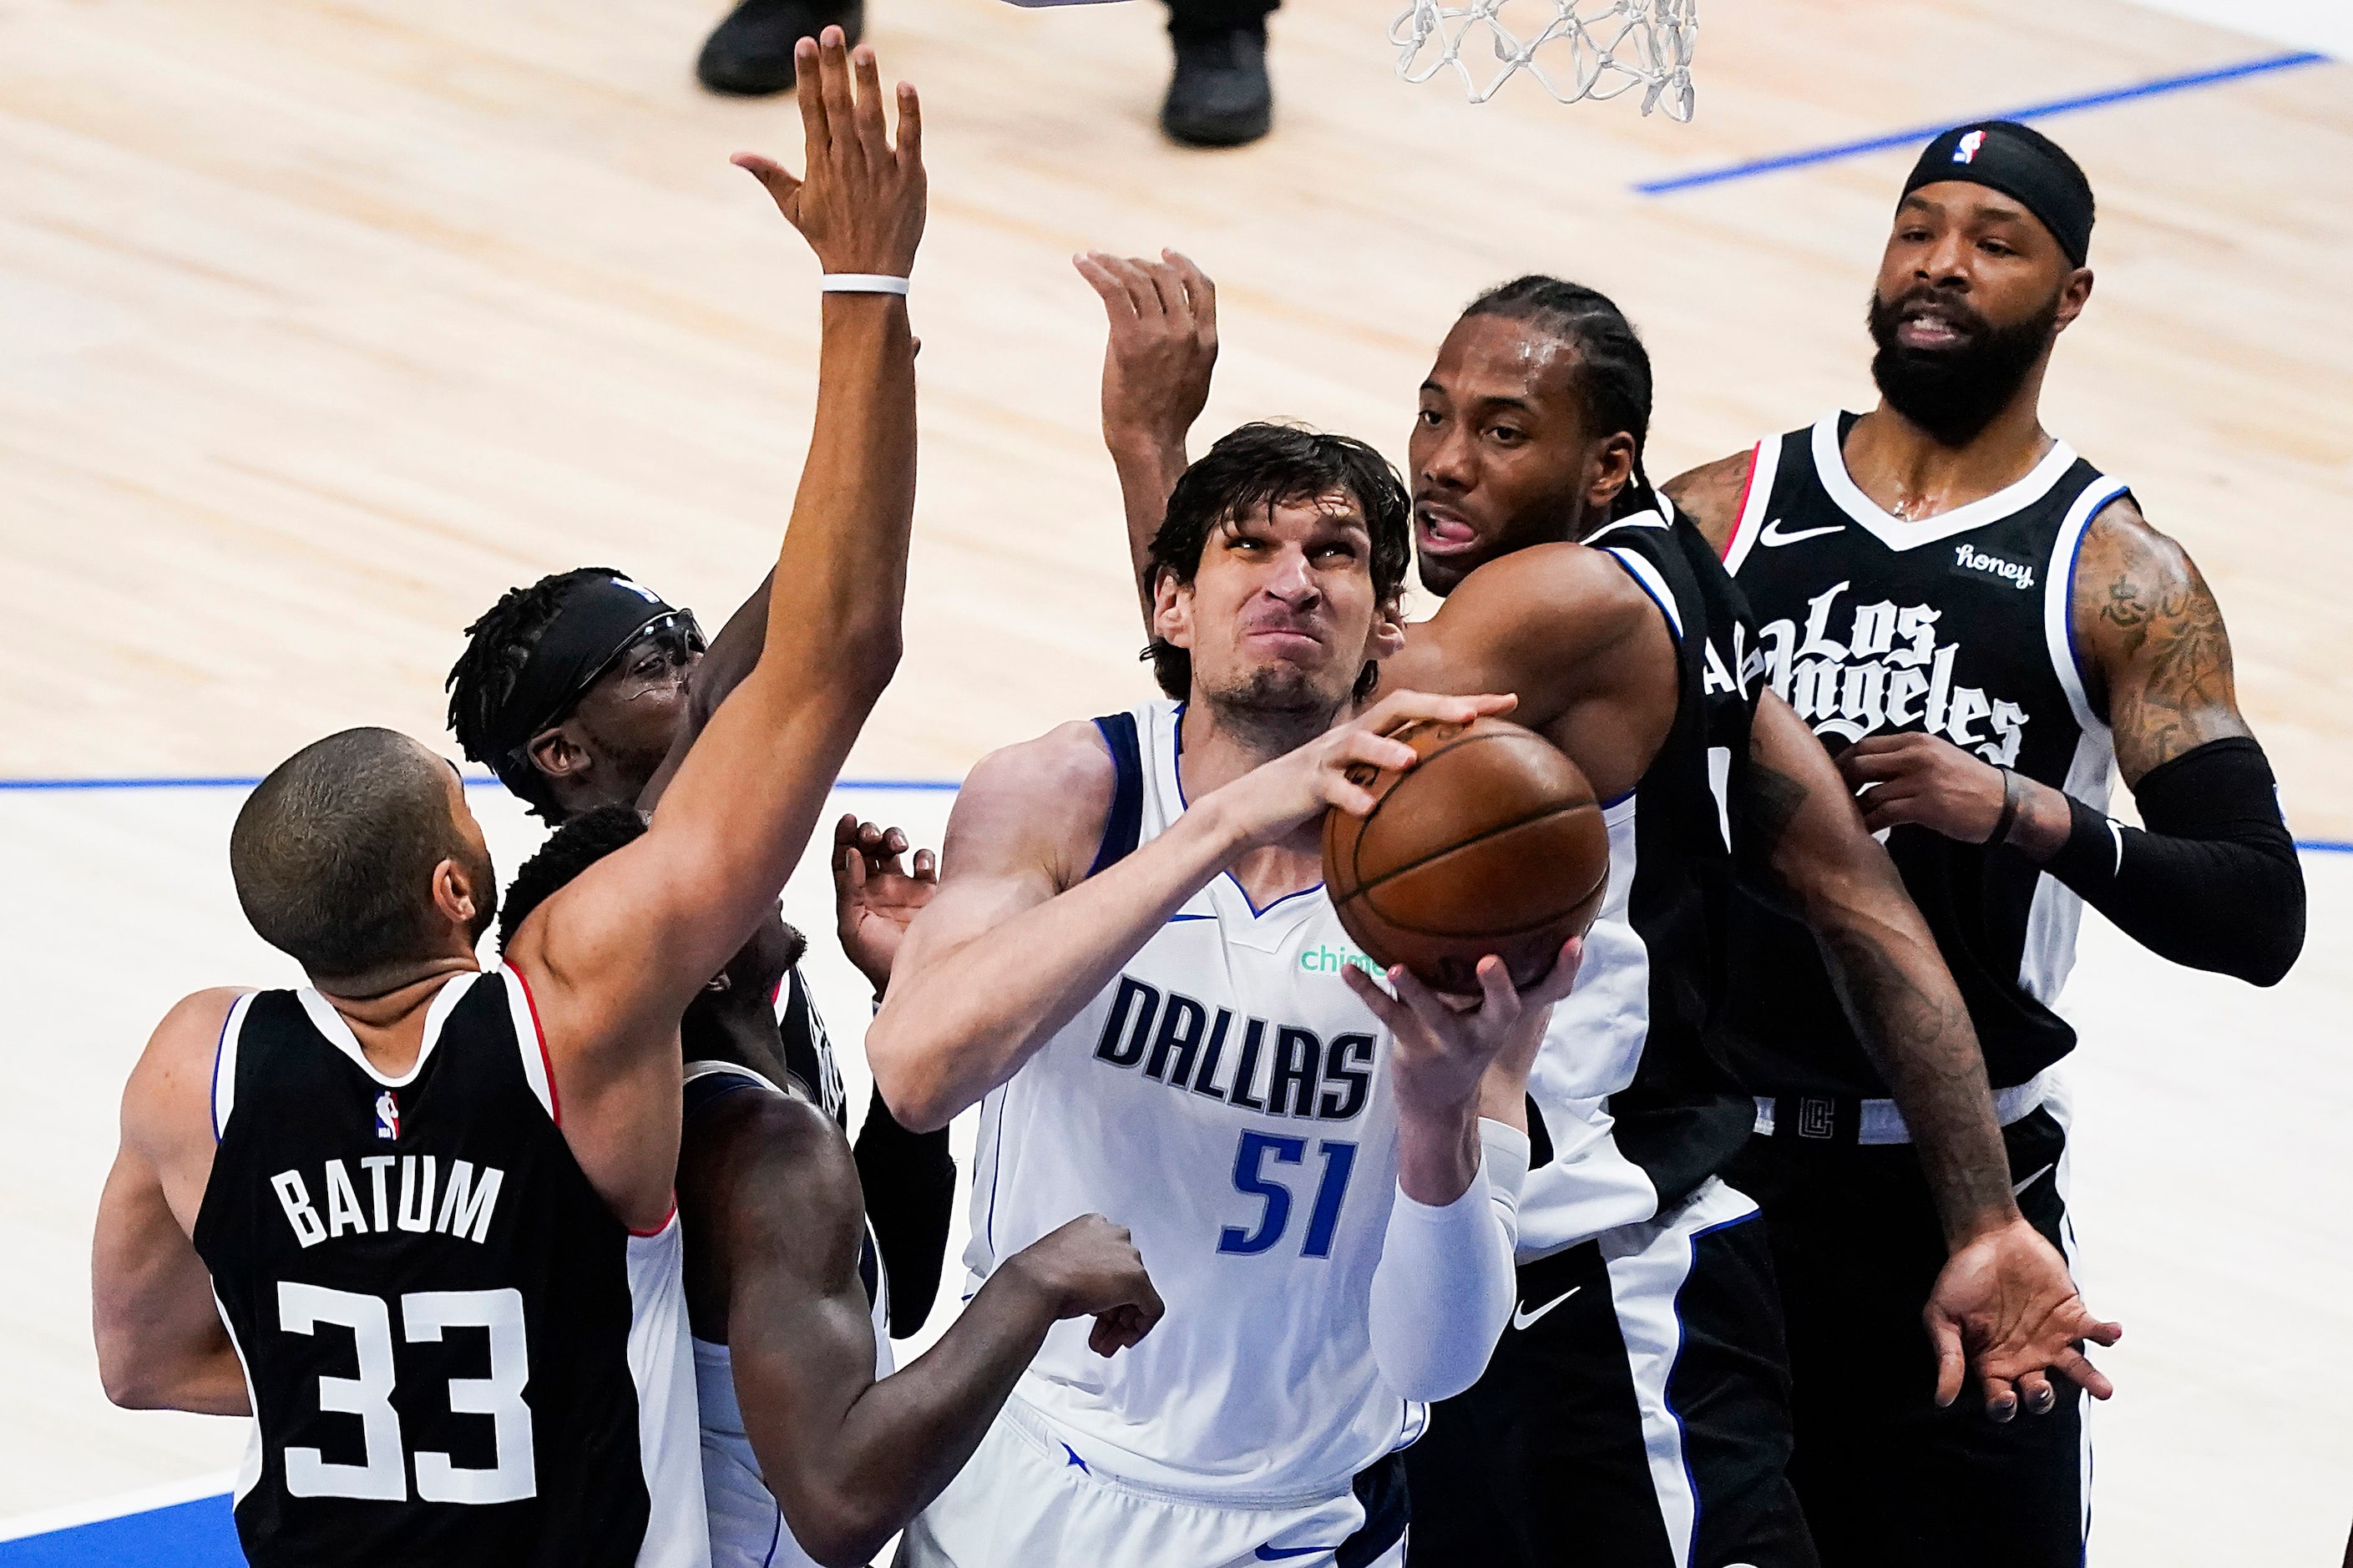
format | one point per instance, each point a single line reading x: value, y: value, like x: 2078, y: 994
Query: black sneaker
x: 751, y: 53
x: 1219, y: 95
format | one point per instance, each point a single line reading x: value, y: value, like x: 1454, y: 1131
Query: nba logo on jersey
x: 1966, y: 151
x: 388, y: 1116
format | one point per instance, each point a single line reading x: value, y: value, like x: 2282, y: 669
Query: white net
x: 1576, y: 50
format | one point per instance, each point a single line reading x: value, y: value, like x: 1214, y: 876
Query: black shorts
x: 1636, y: 1413
x: 1889, y: 1480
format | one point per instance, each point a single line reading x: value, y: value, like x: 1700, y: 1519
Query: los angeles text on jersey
x: 404, y: 1201
x: 1890, y: 672
x: 1280, y: 1069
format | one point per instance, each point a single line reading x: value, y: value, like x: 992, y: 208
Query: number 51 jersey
x: 456, y: 1353
x: 1226, y: 1098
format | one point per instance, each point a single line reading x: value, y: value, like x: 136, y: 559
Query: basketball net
x: 1583, y: 49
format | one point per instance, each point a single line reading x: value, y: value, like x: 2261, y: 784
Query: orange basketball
x: 1491, y: 843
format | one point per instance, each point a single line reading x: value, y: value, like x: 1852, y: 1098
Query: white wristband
x: 862, y: 283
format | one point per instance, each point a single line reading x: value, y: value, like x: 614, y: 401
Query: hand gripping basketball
x: 861, y: 203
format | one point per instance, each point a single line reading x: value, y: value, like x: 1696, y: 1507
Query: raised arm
x: 614, y: 958
x: 1160, y: 351
x: 2213, y: 880
x: 770, y: 1187
x: 161, y: 1345
x: 2006, y: 1293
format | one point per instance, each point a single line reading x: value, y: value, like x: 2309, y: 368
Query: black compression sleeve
x: 910, y: 1182
x: 2214, y: 883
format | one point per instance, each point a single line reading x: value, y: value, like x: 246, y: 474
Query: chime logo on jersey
x: 1966, y: 150
x: 1889, y: 673
x: 388, y: 1116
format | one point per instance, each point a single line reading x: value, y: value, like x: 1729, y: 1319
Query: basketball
x: 1492, y: 842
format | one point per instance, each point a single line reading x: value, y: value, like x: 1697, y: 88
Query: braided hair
x: 1613, y: 369
x: 498, y: 647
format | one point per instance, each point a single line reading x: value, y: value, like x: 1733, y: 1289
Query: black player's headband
x: 2021, y: 164
x: 600, y: 620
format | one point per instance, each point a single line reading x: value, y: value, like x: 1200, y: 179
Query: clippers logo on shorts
x: 1966, y: 151
x: 1970, y: 558
x: 1817, y: 1117
x: 1888, y: 671
x: 387, y: 1117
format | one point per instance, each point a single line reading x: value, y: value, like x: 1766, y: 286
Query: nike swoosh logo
x: 1521, y: 1317
x: 1277, y: 1553
x: 1773, y: 535
x: 2019, y: 1189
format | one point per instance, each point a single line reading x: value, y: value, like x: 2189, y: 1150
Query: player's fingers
x: 1394, y: 1014
x: 1106, y: 284
x: 1202, y: 292
x: 927, y: 865
x: 872, y: 134
x: 1369, y: 746
x: 1434, y: 1015
x: 1399, y: 706
x: 1858, y: 766
x: 833, y: 87
x: 1168, y: 288
x: 1556, y: 985
x: 817, y: 126
x: 779, y: 181
x: 2000, y: 1398
x: 2078, y: 1369
x: 1882, y: 809
x: 1952, y: 1365
x: 2087, y: 1327
x: 2035, y: 1394
x: 849, y: 875
x: 845, y: 829
x: 910, y: 143
x: 1498, y: 1000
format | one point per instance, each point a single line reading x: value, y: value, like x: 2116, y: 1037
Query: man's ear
x: 455, y: 895
x: 2074, y: 295
x: 557, y: 755
x: 1387, y: 639
x: 1609, y: 470
x: 1172, y: 611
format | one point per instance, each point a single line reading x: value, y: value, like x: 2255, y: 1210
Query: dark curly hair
x: 1613, y: 368
x: 498, y: 646
x: 569, y: 850
x: 1255, y: 468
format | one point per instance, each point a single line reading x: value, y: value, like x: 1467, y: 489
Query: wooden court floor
x: 324, y: 322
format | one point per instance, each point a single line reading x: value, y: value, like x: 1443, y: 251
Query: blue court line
x: 198, y: 1534
x: 944, y: 786
x: 1918, y: 135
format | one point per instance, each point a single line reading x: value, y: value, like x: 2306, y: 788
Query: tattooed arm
x: 2214, y: 882
x: 1711, y: 494
x: 2005, y: 1294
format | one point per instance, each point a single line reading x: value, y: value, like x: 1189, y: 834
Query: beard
x: 1954, y: 393
x: 1274, y: 708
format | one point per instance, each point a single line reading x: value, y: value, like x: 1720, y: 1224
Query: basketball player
x: 586, y: 689
x: 813, y: 1449
x: 1983, y: 628
x: 417, y: 1219
x: 1166, y: 1022
x: 1639, y: 1405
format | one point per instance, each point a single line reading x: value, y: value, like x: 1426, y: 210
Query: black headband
x: 596, y: 622
x: 2021, y: 164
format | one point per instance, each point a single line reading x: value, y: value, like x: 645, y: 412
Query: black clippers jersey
x: 1957, y: 625
x: 1635, y: 1039
x: 456, y: 1353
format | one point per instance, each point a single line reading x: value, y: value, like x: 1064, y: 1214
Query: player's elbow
x: 869, y: 656
x: 840, y: 1529
x: 131, y: 1383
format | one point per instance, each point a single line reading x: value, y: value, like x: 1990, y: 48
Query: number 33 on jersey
x: 456, y: 1353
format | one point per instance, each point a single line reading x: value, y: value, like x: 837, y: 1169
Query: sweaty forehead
x: 1497, y: 356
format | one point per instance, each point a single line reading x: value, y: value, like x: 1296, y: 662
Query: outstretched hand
x: 1161, y: 349
x: 861, y: 203
x: 875, y: 899
x: 2005, y: 1307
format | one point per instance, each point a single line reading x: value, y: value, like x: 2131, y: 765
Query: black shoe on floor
x: 751, y: 53
x: 1219, y: 95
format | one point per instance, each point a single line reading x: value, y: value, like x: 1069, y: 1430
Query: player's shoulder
x: 1711, y: 494
x: 1576, y: 586
x: 1059, y: 783
x: 172, y: 1081
x: 759, y: 1161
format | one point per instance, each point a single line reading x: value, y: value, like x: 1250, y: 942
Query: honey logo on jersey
x: 1891, y: 672
x: 387, y: 1117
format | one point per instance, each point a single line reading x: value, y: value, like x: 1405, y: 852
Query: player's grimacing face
x: 1282, y: 606
x: 1962, y: 259
x: 1500, y: 456
x: 630, y: 713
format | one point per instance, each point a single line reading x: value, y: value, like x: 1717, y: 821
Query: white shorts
x: 1017, y: 1505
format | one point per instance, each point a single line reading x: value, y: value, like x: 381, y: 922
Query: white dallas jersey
x: 1226, y: 1098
